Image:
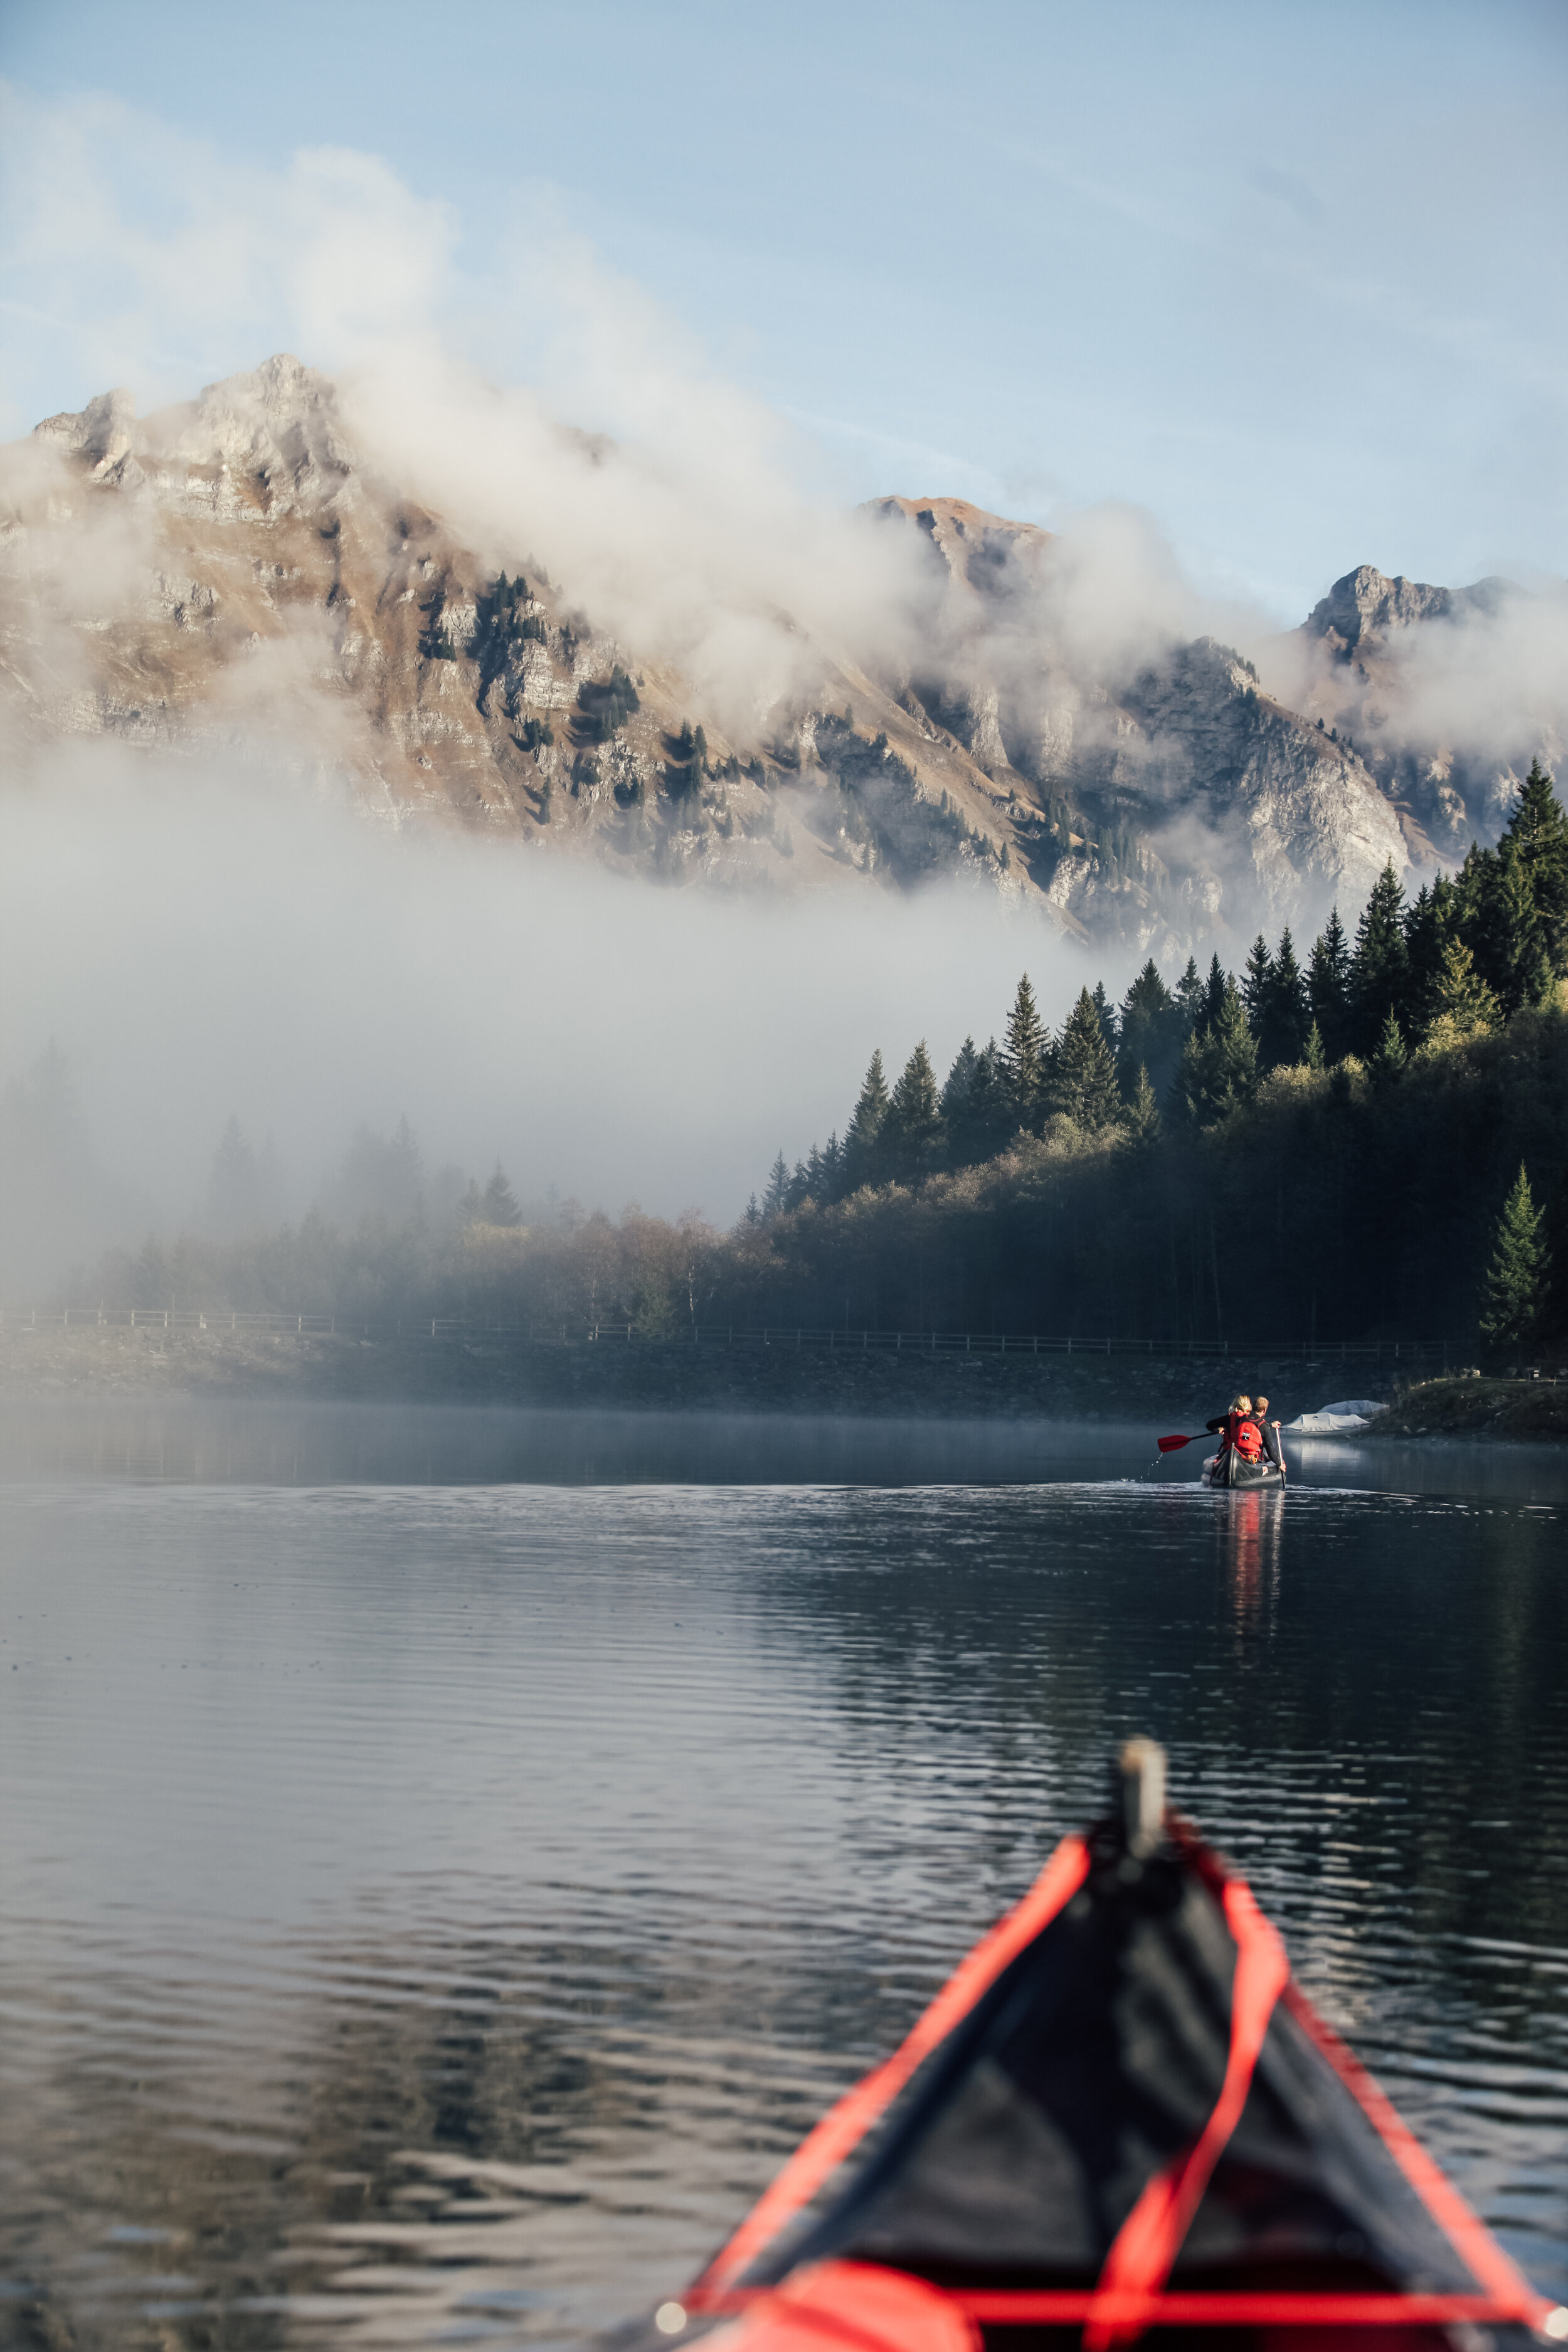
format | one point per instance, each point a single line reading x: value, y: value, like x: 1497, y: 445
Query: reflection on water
x: 431, y: 1910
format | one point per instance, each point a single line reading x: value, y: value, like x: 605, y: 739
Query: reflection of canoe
x: 1232, y: 1469
x: 1120, y: 2114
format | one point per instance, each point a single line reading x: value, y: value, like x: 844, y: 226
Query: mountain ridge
x: 234, y: 570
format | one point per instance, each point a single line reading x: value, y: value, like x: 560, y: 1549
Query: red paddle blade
x: 1168, y: 1444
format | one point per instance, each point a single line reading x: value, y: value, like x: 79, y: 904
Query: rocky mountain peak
x: 278, y: 423
x: 100, y: 431
x: 1366, y: 603
x: 977, y: 548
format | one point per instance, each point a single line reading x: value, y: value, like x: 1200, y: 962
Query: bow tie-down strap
x: 1148, y: 2240
x: 845, y: 2125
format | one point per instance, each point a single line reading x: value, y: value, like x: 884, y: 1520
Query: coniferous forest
x: 1328, y: 1145
x: 1364, y: 1139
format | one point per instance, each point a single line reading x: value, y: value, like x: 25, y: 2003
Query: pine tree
x: 1023, y: 1058
x: 911, y: 1134
x: 973, y: 1117
x: 1379, y: 965
x: 1327, y: 985
x: 232, y: 1202
x: 1282, y: 1035
x: 1388, y: 1056
x: 1106, y: 1012
x: 1152, y: 1029
x: 862, y: 1138
x: 958, y: 1086
x: 1219, y: 1064
x: 1082, y: 1083
x: 1257, y: 982
x: 1460, y: 998
x: 1141, y: 1117
x: 1538, y: 834
x: 775, y: 1199
x: 1190, y: 998
x: 1425, y: 937
x: 498, y: 1204
x: 1514, y: 1294
x: 1215, y: 987
x: 1312, y: 1052
x: 991, y: 1123
x: 1520, y: 957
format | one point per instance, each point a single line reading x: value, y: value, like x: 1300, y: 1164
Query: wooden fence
x: 580, y: 1332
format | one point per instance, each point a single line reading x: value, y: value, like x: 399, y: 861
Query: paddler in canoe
x: 1270, y: 1431
x: 1246, y: 1455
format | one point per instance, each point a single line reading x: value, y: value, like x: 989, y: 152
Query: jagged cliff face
x: 1415, y: 677
x: 228, y: 573
x: 234, y: 573
x: 1155, y: 802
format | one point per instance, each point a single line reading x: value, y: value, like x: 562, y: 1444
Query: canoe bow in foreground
x: 1120, y: 2114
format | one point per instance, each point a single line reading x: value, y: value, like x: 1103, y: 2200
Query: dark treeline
x: 1370, y: 1141
x: 1319, y: 1147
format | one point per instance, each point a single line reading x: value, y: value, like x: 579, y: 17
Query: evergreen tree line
x: 1374, y: 1144
x: 1458, y: 960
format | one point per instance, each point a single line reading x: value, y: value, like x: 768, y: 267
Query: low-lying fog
x: 200, y: 947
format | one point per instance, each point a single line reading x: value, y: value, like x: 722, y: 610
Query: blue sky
x: 1291, y: 279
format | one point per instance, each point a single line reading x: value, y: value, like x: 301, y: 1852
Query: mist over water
x: 201, y: 944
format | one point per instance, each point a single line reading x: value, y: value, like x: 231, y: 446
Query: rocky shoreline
x: 1533, y: 1409
x: 1180, y: 1391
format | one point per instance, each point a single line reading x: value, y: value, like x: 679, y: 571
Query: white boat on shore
x: 1342, y: 1420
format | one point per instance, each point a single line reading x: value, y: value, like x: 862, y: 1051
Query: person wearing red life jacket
x: 1239, y: 1428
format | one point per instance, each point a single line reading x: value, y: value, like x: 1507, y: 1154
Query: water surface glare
x: 432, y: 1909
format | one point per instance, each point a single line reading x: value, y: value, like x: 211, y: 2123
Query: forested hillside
x: 1367, y: 1140
x: 1313, y: 1150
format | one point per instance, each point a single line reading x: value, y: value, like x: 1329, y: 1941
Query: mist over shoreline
x: 200, y: 947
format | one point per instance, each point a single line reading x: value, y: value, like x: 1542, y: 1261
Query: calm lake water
x: 446, y: 1860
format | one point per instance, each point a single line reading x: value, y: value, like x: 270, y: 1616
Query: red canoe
x: 1120, y: 2114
